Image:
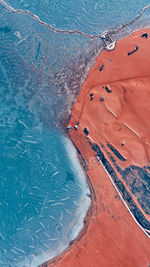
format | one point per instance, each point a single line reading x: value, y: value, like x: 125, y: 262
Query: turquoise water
x: 43, y: 193
x: 90, y: 16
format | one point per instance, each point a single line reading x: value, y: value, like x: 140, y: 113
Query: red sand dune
x: 111, y: 236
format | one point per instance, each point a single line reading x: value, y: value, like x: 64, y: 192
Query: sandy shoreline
x: 113, y: 107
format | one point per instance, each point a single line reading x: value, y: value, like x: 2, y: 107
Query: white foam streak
x: 91, y: 36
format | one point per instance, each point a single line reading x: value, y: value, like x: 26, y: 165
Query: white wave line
x: 132, y: 130
x: 21, y: 11
x: 131, y: 22
x: 111, y: 112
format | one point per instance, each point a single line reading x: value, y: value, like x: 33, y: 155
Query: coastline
x: 110, y: 236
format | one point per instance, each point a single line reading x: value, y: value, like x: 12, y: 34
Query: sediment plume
x: 110, y: 128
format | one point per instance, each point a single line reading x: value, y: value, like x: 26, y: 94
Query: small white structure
x: 108, y: 42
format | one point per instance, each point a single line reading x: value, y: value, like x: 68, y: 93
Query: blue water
x: 91, y: 16
x: 43, y: 192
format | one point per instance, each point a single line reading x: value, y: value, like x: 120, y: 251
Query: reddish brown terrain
x: 112, y: 134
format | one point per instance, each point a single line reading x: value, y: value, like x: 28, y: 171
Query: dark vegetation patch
x: 133, y: 51
x: 86, y: 131
x: 137, y: 179
x: 125, y: 194
x: 145, y: 35
x: 116, y: 152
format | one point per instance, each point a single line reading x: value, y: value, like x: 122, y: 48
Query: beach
x: 109, y: 127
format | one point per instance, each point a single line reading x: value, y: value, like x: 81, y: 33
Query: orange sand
x: 111, y: 237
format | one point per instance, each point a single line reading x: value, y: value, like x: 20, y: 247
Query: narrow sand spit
x: 112, y: 114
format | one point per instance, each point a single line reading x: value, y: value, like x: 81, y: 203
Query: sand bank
x: 112, y: 125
